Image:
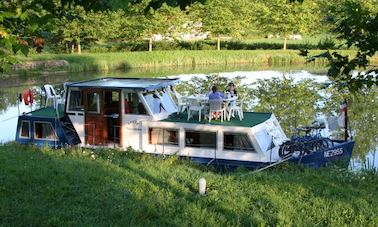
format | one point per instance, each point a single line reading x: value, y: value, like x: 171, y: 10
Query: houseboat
x: 148, y: 115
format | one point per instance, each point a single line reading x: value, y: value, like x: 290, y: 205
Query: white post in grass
x: 202, y: 186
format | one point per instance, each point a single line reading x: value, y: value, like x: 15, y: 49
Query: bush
x: 327, y: 43
x: 142, y: 45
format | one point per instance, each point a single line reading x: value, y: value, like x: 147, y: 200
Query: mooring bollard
x: 202, y: 186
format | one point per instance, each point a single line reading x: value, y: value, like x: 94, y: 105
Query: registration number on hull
x: 333, y: 152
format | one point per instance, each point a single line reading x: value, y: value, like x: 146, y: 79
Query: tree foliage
x: 285, y: 18
x: 294, y: 104
x: 226, y: 17
x: 355, y: 22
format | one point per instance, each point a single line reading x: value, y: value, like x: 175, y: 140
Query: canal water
x: 363, y: 110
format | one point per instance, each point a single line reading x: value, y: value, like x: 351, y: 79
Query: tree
x: 165, y: 21
x: 284, y: 18
x: 88, y: 27
x: 355, y: 23
x: 18, y: 25
x: 22, y: 21
x: 225, y: 17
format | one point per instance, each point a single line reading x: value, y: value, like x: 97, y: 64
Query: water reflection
x: 295, y: 97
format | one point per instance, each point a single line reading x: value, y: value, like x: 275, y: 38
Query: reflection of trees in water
x: 293, y: 104
x: 363, y: 114
x: 7, y: 98
x: 298, y: 103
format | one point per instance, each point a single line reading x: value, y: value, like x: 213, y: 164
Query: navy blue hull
x: 340, y: 154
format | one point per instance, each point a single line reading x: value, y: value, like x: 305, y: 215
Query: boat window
x: 168, y: 103
x: 25, y: 129
x: 163, y: 136
x: 93, y: 100
x: 44, y: 130
x: 133, y: 104
x: 200, y: 139
x: 237, y: 141
x: 154, y: 102
x: 76, y: 101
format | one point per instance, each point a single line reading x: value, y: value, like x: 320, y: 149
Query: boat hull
x: 339, y: 154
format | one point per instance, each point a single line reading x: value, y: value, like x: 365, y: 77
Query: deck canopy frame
x: 136, y: 84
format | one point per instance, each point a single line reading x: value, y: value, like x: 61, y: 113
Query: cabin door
x: 102, y: 116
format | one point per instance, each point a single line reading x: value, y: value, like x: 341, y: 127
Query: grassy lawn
x: 110, y: 187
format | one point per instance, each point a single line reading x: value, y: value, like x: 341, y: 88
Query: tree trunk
x: 150, y: 44
x: 78, y: 47
x: 284, y: 46
x: 73, y: 48
x: 218, y: 42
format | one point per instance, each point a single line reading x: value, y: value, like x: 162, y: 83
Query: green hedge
x: 206, y: 45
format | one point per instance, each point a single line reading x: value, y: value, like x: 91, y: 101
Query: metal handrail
x: 93, y: 136
x: 114, y: 134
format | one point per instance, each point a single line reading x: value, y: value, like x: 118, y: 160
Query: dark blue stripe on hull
x: 339, y: 154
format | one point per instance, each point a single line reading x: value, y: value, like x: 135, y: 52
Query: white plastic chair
x: 51, y: 95
x: 216, y: 106
x: 194, y: 106
x: 236, y: 107
x: 182, y: 103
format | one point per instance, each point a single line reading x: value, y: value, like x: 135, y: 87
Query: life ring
x: 28, y: 97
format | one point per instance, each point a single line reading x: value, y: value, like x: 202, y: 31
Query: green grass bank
x: 182, y: 58
x: 114, y: 188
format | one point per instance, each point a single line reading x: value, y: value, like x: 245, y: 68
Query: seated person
x: 209, y: 90
x: 231, y: 89
x: 215, y: 93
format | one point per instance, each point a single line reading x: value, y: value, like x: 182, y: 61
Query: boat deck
x: 250, y: 119
x: 47, y: 112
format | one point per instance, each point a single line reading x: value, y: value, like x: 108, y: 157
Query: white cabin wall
x: 202, y: 152
x: 132, y: 125
x: 133, y: 130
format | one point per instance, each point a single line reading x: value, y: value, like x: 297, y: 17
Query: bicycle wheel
x: 285, y: 149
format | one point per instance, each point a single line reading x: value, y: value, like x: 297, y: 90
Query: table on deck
x: 204, y: 100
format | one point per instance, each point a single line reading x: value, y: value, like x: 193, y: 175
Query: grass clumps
x: 111, y: 187
x: 180, y: 58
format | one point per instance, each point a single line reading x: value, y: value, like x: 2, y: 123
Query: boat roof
x: 250, y: 119
x: 47, y: 112
x: 144, y: 84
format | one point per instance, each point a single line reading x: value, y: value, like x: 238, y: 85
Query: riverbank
x: 110, y: 187
x: 182, y: 58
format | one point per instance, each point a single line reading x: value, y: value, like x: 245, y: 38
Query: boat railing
x: 115, y: 137
x: 87, y: 136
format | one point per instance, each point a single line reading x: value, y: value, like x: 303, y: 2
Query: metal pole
x: 163, y: 140
x: 18, y: 104
x: 93, y: 137
x: 114, y: 136
x: 346, y: 120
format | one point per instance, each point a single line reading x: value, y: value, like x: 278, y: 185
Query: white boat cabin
x: 142, y: 113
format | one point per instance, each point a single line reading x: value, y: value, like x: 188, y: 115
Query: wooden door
x: 96, y: 132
